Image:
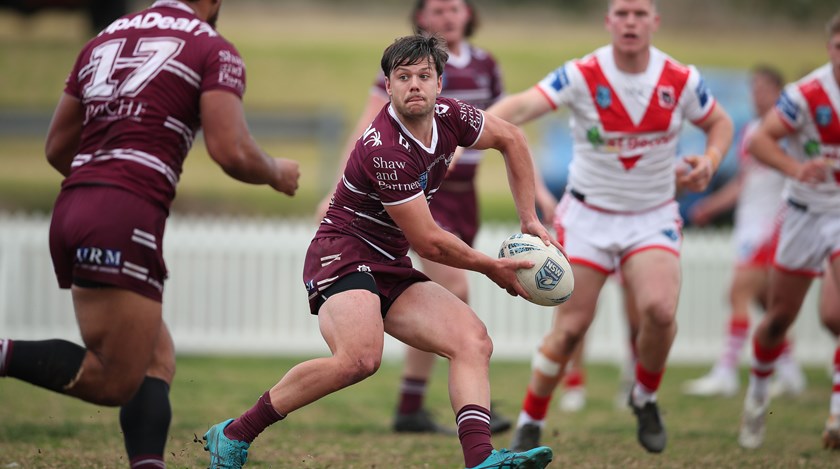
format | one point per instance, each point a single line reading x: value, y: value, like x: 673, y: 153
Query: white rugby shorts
x: 604, y: 239
x: 806, y: 241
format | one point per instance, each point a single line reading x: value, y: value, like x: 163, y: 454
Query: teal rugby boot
x: 536, y: 458
x: 224, y: 452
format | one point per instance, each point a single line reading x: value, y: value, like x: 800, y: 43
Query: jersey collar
x: 429, y: 149
x: 173, y: 4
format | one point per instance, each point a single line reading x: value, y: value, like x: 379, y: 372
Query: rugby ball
x: 550, y: 281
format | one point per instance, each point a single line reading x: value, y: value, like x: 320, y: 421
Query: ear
x: 440, y: 85
x: 388, y: 86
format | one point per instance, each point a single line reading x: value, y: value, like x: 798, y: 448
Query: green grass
x: 350, y: 429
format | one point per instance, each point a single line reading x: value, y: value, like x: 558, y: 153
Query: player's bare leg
x: 787, y: 292
x: 571, y: 321
x: 830, y: 316
x: 653, y: 276
x: 128, y: 361
x: 430, y: 318
x: 417, y: 369
x: 749, y: 284
x: 627, y: 375
x: 574, y: 382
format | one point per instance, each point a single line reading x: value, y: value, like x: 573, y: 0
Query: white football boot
x: 573, y: 399
x: 753, y: 422
x: 718, y: 382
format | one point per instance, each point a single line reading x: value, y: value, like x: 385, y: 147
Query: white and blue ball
x: 550, y: 281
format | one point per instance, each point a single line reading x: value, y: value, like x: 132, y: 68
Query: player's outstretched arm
x: 231, y: 145
x: 65, y: 133
x: 522, y: 107
x: 719, y: 133
x: 764, y: 145
x: 510, y: 141
x: 433, y: 243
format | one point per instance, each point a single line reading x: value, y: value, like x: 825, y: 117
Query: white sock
x: 642, y: 395
x: 835, y: 396
x: 525, y: 418
x: 758, y: 387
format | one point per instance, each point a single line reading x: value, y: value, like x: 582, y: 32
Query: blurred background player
x: 473, y: 76
x: 131, y: 108
x: 755, y: 193
x: 359, y: 277
x: 628, y: 102
x: 809, y: 238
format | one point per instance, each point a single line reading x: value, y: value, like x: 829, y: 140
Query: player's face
x: 764, y: 93
x: 413, y: 89
x: 632, y: 24
x: 834, y: 53
x: 448, y: 18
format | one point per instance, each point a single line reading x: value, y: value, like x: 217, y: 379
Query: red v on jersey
x: 614, y: 116
x: 822, y: 111
x: 629, y: 161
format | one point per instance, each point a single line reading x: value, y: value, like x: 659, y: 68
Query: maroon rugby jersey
x: 472, y: 77
x: 140, y: 81
x: 388, y: 166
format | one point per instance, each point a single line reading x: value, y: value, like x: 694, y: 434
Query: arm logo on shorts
x: 99, y: 256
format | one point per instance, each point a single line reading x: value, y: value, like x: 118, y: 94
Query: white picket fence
x: 235, y: 287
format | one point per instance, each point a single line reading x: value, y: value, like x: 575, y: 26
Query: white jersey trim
x: 400, y: 202
x: 137, y: 156
x: 430, y: 148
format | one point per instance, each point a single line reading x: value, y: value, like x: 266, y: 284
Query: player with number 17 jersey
x: 625, y: 126
x: 143, y: 75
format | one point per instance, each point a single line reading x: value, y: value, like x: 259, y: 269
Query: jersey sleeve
x: 395, y: 176
x: 558, y: 86
x: 792, y: 107
x: 71, y: 83
x: 224, y: 69
x: 466, y: 119
x: 697, y: 102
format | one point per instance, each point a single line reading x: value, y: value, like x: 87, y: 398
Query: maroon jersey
x: 140, y: 81
x: 472, y: 77
x: 388, y: 166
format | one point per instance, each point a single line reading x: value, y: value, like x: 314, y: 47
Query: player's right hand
x: 286, y: 175
x: 813, y: 171
x: 503, y: 274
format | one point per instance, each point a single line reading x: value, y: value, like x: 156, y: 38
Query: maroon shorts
x: 455, y: 209
x: 103, y: 235
x: 329, y: 259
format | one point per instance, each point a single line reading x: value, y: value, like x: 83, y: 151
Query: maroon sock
x: 148, y: 461
x: 253, y: 421
x: 474, y: 433
x: 412, y: 392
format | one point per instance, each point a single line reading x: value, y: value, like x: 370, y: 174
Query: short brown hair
x: 771, y: 73
x: 409, y: 50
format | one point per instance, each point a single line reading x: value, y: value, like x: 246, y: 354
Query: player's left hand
x: 700, y: 174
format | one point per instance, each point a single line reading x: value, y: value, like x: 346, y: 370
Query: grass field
x: 350, y: 429
x: 305, y: 59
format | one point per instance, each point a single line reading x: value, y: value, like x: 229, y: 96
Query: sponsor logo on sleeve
x: 788, y: 107
x: 424, y: 180
x: 703, y: 93
x: 560, y: 79
x: 372, y: 137
x: 470, y: 115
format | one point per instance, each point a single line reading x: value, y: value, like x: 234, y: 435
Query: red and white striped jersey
x: 625, y: 126
x: 810, y: 107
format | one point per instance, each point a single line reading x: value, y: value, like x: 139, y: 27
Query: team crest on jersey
x: 424, y: 180
x: 823, y: 115
x: 603, y: 96
x: 671, y: 234
x: 441, y: 109
x: 667, y: 100
x: 702, y: 92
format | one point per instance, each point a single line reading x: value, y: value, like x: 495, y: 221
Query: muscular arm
x: 438, y: 245
x: 231, y: 145
x: 719, y: 132
x: 764, y: 145
x: 509, y: 140
x: 523, y: 107
x: 65, y: 133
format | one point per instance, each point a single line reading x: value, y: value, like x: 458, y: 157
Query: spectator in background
x: 806, y: 115
x: 628, y: 101
x: 131, y: 108
x: 756, y: 195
